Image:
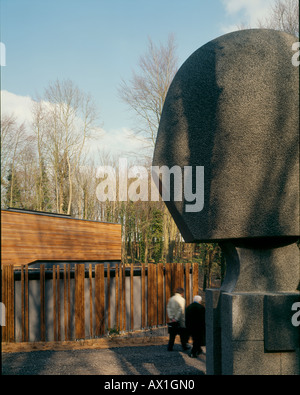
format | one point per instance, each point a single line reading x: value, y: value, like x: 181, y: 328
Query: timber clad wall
x: 28, y: 237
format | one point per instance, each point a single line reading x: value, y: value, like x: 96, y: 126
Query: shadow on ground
x: 143, y: 360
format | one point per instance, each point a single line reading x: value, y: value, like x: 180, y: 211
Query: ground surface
x: 117, y: 360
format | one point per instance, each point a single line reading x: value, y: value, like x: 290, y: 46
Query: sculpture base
x: 253, y: 320
x: 251, y: 333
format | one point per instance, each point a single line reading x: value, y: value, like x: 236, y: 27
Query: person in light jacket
x: 176, y: 314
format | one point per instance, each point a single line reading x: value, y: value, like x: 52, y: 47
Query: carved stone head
x: 233, y: 108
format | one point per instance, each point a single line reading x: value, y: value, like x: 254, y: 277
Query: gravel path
x: 142, y: 360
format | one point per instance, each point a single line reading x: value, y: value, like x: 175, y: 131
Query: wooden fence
x: 85, y: 301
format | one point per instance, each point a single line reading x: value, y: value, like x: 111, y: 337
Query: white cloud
x: 246, y: 12
x: 20, y: 106
x: 115, y: 142
x: 118, y: 142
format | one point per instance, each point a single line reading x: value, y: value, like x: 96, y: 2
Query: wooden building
x: 31, y: 236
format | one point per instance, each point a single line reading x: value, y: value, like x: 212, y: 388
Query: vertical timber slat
x: 195, y: 279
x: 108, y: 295
x: 69, y: 301
x: 117, y: 296
x: 54, y: 304
x: 42, y: 301
x: 65, y: 303
x: 174, y: 278
x: 102, y: 300
x: 22, y: 303
x: 143, y: 297
x: 11, y: 306
x: 121, y: 297
x: 91, y: 298
x: 26, y: 305
x: 180, y: 275
x: 187, y: 283
x: 79, y: 301
x: 124, y: 297
x: 160, y: 293
x: 131, y: 298
x: 168, y: 284
x: 149, y: 293
x: 8, y: 331
x: 99, y: 299
x: 154, y: 268
x: 58, y: 304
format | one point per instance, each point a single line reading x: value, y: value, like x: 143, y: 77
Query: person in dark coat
x: 195, y: 325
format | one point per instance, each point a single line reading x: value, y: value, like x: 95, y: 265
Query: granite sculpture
x: 233, y: 108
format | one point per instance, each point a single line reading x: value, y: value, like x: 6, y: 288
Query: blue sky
x: 97, y: 43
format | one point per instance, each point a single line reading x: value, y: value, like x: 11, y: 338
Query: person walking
x: 176, y: 314
x: 195, y: 325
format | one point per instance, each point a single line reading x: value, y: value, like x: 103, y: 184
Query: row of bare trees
x: 284, y: 16
x: 39, y: 163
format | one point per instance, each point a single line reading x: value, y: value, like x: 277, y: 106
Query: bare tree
x: 12, y: 141
x: 39, y: 128
x: 84, y: 191
x: 28, y: 174
x: 72, y: 121
x: 11, y: 134
x: 284, y: 15
x: 146, y: 92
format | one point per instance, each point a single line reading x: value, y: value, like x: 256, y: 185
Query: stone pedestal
x: 213, y: 331
x: 249, y: 320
